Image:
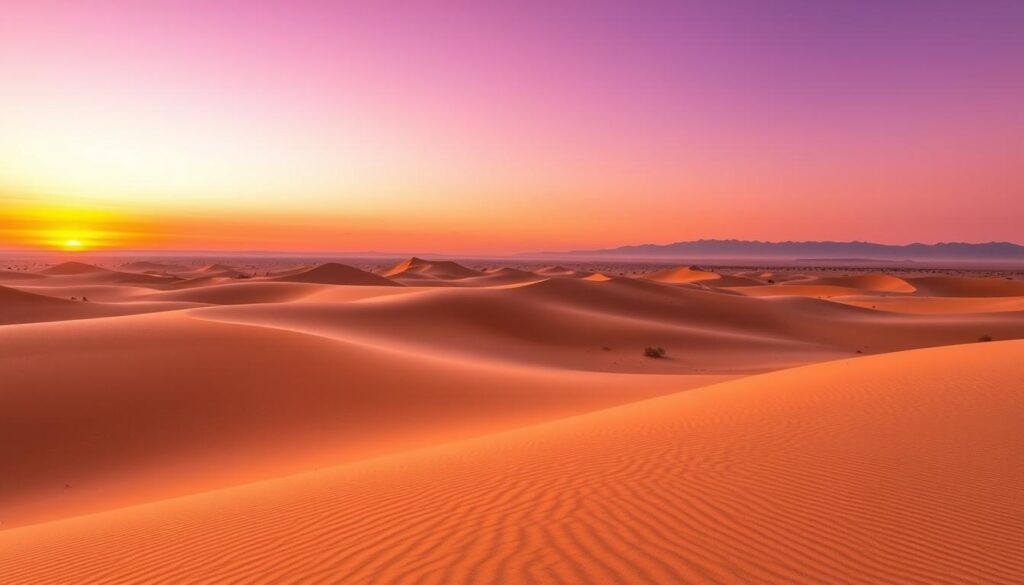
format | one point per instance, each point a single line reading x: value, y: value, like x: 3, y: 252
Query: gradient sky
x: 516, y: 126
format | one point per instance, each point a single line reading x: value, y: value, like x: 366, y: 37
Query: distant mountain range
x: 844, y: 251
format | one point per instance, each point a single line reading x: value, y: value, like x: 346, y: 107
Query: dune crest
x: 73, y: 268
x: 682, y: 274
x: 441, y: 269
x: 866, y: 282
x: 334, y: 273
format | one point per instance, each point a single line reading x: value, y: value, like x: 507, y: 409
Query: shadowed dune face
x: 504, y: 424
x: 851, y: 471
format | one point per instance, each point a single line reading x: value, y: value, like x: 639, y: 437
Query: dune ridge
x: 418, y: 268
x: 867, y: 282
x: 334, y: 273
x: 73, y: 268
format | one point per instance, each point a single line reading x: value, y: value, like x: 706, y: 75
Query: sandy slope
x: 100, y: 412
x: 903, y: 468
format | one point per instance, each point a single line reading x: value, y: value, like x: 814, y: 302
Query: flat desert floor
x: 436, y: 422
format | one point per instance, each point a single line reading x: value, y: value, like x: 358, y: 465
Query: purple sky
x: 477, y: 126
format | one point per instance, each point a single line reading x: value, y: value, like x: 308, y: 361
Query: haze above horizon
x: 482, y: 128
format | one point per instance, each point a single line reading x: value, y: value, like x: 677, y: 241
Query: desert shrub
x: 985, y: 338
x: 654, y: 352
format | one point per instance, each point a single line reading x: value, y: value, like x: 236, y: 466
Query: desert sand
x: 434, y: 422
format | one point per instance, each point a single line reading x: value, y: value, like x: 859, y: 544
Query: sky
x: 496, y: 127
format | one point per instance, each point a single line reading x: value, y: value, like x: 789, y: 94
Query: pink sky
x: 477, y: 127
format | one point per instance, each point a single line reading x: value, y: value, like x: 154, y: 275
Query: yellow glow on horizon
x: 69, y: 227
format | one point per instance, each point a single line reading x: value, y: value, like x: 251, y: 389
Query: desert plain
x: 428, y: 421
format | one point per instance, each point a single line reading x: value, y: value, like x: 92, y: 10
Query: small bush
x: 654, y: 352
x: 985, y: 338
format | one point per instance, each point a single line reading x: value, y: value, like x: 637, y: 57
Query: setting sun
x: 73, y: 245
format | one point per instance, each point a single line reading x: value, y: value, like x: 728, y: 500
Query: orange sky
x: 473, y: 129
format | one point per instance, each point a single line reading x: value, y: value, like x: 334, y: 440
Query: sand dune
x: 77, y: 273
x: 693, y: 275
x: 921, y: 286
x: 161, y: 405
x: 681, y: 274
x: 418, y: 268
x: 901, y: 468
x: 604, y: 326
x: 334, y: 273
x: 507, y: 426
x: 24, y: 307
x: 73, y: 268
x: 867, y: 282
x: 501, y: 277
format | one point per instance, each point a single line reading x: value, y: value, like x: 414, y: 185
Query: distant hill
x: 747, y: 249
